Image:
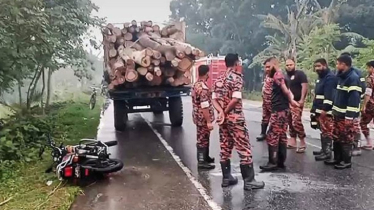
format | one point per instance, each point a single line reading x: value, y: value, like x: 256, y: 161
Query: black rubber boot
x: 282, y: 155
x: 201, y: 163
x: 326, y: 150
x: 346, y: 153
x: 262, y: 136
x: 272, y: 165
x: 248, y: 175
x: 320, y: 151
x: 337, y: 155
x: 208, y: 159
x: 227, y: 178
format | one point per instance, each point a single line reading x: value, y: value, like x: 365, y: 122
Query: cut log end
x: 169, y: 56
x: 142, y: 70
x: 175, y: 62
x: 149, y: 76
x: 148, y: 52
x: 156, y: 55
x: 156, y: 62
x: 112, y: 53
x: 146, y: 61
x: 128, y: 36
x: 157, y: 71
x: 131, y: 75
x: 185, y: 64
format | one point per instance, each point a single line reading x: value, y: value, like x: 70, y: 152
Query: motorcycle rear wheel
x: 107, y: 166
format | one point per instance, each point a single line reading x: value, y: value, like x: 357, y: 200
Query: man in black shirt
x: 276, y: 137
x: 298, y: 84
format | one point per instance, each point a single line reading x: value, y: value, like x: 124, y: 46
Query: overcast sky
x: 120, y: 11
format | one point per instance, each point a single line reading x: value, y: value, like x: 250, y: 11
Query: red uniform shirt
x: 201, y: 99
x: 370, y: 87
x: 267, y: 89
x: 227, y: 87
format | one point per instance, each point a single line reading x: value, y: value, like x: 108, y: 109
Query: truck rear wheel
x: 120, y: 115
x: 176, y: 111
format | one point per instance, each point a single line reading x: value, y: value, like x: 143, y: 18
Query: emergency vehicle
x: 216, y: 66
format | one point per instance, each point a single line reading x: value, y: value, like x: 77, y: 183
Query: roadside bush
x: 21, y: 138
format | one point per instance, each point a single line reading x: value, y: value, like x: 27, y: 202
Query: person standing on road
x: 227, y: 99
x: 203, y: 117
x: 322, y: 106
x: 266, y: 101
x: 298, y: 84
x: 281, y: 98
x: 356, y: 146
x: 346, y: 109
x: 367, y: 110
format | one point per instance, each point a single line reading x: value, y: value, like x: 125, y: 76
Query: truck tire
x: 120, y: 115
x: 106, y: 77
x: 176, y: 111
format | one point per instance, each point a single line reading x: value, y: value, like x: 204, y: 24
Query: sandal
x: 301, y: 149
x: 291, y: 147
x: 366, y: 147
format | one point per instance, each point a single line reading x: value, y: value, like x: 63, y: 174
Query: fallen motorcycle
x: 87, y: 158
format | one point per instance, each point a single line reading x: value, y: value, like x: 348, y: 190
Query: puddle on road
x: 279, y: 182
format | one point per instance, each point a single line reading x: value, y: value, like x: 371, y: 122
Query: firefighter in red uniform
x: 266, y: 101
x: 203, y: 117
x: 276, y: 137
x: 227, y: 98
x: 367, y: 109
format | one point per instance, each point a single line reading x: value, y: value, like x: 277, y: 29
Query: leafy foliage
x: 24, y: 179
x: 40, y: 35
x: 223, y: 26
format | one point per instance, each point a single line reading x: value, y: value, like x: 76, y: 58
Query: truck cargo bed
x: 149, y: 92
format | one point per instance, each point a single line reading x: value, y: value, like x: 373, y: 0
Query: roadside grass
x: 25, y: 184
x: 256, y: 96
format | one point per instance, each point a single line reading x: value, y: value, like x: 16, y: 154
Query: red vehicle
x: 216, y: 64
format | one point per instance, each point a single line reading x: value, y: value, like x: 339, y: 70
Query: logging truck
x: 148, y: 69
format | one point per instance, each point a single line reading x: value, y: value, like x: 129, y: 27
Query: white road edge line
x: 195, y: 182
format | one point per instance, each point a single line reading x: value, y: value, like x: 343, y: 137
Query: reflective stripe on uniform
x: 320, y: 97
x: 319, y: 111
x: 237, y: 94
x: 362, y: 79
x: 327, y: 102
x: 353, y: 109
x: 348, y: 89
x: 335, y: 108
x: 314, y: 123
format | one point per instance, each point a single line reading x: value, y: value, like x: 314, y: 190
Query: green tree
x: 43, y: 36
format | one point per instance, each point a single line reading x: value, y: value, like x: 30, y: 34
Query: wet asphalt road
x: 152, y: 178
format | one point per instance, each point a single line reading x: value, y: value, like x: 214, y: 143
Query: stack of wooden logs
x: 146, y: 55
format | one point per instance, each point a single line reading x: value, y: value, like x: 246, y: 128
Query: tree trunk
x: 48, y: 88
x: 19, y: 92
x: 32, y: 87
x: 42, y: 94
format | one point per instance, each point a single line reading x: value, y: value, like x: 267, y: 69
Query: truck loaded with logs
x: 146, y: 66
